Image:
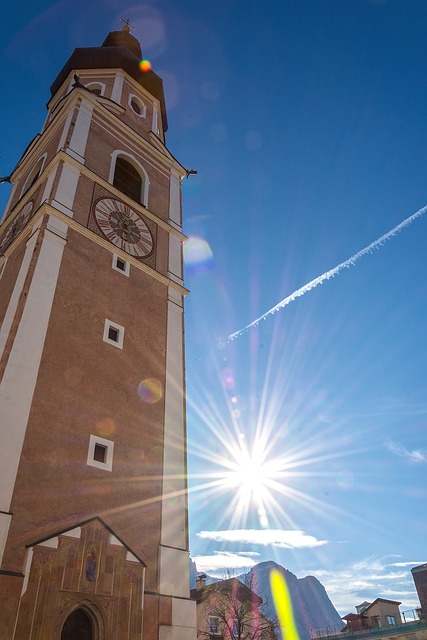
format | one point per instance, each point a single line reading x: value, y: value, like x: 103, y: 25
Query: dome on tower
x: 120, y: 50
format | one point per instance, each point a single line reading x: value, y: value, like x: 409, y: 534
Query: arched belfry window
x: 127, y: 175
x: 78, y: 625
x: 127, y: 179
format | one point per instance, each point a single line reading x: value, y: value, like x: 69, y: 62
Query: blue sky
x: 306, y: 122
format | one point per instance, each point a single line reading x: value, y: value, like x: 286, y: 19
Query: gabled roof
x: 78, y: 525
x: 381, y: 600
x: 243, y: 593
x: 352, y: 616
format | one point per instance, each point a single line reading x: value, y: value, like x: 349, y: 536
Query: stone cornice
x: 47, y: 209
x: 65, y: 157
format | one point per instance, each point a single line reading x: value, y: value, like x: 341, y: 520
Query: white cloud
x: 415, y: 456
x: 221, y: 560
x: 368, y: 578
x: 282, y: 538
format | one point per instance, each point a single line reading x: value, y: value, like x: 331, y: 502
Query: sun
x: 256, y: 457
x: 248, y: 472
x: 252, y: 476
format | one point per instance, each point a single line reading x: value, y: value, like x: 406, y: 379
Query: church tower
x: 93, y: 506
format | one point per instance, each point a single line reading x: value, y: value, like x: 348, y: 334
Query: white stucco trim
x: 16, y: 293
x: 66, y: 190
x: 174, y: 572
x: 175, y: 198
x: 20, y: 376
x: 65, y: 130
x: 116, y: 94
x: 5, y: 520
x: 27, y: 568
x: 155, y: 121
x: 174, y: 512
x: 77, y: 146
x: 175, y: 259
x: 49, y: 184
x: 184, y: 621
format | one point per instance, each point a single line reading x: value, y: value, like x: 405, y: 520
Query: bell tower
x: 93, y: 506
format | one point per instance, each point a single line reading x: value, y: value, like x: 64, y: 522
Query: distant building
x: 419, y: 575
x: 379, y: 620
x: 382, y: 620
x: 373, y: 615
x: 230, y: 610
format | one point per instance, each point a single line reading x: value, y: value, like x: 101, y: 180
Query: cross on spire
x: 127, y: 26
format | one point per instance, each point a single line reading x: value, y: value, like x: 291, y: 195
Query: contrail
x: 333, y: 272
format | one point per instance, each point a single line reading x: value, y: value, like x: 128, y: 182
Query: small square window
x: 121, y: 265
x: 100, y: 453
x: 114, y: 333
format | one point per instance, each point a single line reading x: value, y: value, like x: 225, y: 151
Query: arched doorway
x: 78, y: 626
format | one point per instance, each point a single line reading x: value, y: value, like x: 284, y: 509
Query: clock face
x: 123, y: 227
x: 16, y: 225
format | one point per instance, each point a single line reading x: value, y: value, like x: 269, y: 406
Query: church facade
x: 93, y: 492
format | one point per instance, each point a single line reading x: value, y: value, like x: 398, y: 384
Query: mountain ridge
x: 311, y: 604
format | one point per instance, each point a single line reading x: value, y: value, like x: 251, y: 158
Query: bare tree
x: 230, y: 610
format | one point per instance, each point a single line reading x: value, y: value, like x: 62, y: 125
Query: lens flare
x: 106, y: 427
x: 145, y: 65
x: 150, y: 390
x: 198, y: 257
x: 283, y: 605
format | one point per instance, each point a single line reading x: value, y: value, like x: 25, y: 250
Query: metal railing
x: 412, y: 621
